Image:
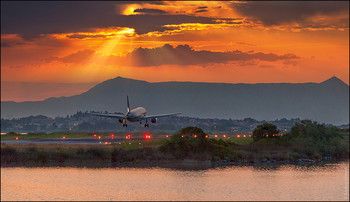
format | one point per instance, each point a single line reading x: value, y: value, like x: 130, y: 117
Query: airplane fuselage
x: 135, y: 114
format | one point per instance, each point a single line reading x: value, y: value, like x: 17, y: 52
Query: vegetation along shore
x: 306, y: 143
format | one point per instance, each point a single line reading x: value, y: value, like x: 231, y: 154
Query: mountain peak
x: 119, y: 78
x: 333, y: 81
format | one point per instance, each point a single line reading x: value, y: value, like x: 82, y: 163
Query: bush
x: 192, y: 142
x: 96, y: 152
x: 316, y: 140
x: 8, y: 155
x: 265, y: 130
x: 186, y: 142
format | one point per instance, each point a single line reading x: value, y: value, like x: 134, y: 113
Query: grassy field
x: 59, y: 135
x: 13, y: 136
x: 315, y: 142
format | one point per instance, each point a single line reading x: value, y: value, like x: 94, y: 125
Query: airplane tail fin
x: 128, y: 106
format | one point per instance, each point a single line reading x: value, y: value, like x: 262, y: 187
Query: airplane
x: 135, y: 115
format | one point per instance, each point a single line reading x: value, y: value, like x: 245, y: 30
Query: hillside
x: 326, y: 102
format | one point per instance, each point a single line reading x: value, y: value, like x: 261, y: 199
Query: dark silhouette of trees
x: 265, y: 130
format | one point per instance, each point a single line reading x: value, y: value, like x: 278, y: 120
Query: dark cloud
x: 30, y: 19
x: 76, y: 57
x: 202, y: 7
x: 10, y: 43
x: 278, y: 12
x: 84, y: 36
x: 201, y: 11
x: 185, y: 55
x: 4, y: 44
x: 148, y: 10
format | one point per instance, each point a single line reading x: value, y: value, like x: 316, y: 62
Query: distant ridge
x: 334, y: 81
x: 326, y: 102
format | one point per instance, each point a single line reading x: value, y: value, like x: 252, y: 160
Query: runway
x: 72, y: 141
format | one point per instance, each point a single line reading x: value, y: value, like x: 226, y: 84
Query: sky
x: 52, y: 49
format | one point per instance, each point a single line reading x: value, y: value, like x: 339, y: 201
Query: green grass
x: 309, y: 145
x: 241, y: 140
x: 80, y: 155
x: 129, y: 145
x: 12, y: 136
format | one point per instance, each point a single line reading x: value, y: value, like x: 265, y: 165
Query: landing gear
x: 125, y: 125
x: 146, y: 125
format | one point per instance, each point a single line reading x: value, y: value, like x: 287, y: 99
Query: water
x: 330, y: 182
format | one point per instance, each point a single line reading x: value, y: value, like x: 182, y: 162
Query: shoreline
x: 178, y: 164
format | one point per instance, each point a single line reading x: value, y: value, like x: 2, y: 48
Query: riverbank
x: 307, y: 143
x: 144, y: 155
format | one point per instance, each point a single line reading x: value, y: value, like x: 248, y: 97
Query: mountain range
x: 325, y: 102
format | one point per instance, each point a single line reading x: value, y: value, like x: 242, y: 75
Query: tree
x: 265, y: 130
x: 186, y: 142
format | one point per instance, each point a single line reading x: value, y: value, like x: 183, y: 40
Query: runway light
x: 139, y: 142
x: 238, y: 135
x: 129, y: 142
x: 95, y: 135
x: 106, y: 142
x: 206, y: 136
x: 182, y: 135
x: 195, y: 136
x: 224, y: 136
x: 64, y: 137
x: 244, y: 136
x: 112, y: 136
x: 215, y: 135
x: 147, y: 136
x: 167, y: 136
x: 99, y: 137
x: 16, y: 138
x: 128, y: 136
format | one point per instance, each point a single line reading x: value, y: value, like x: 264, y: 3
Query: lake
x: 329, y: 182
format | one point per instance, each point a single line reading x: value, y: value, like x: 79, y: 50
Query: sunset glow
x: 241, y: 44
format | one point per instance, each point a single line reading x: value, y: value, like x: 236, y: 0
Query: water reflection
x: 328, y: 182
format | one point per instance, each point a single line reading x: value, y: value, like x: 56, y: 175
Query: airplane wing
x: 119, y: 116
x: 160, y: 115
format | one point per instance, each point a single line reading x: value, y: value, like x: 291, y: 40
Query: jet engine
x: 153, y: 120
x: 121, y: 120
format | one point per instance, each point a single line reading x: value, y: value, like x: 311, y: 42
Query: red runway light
x: 112, y: 136
x: 167, y: 136
x: 64, y: 137
x: 128, y: 136
x: 99, y: 137
x: 95, y: 135
x: 16, y: 138
x: 147, y: 136
x: 206, y: 136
